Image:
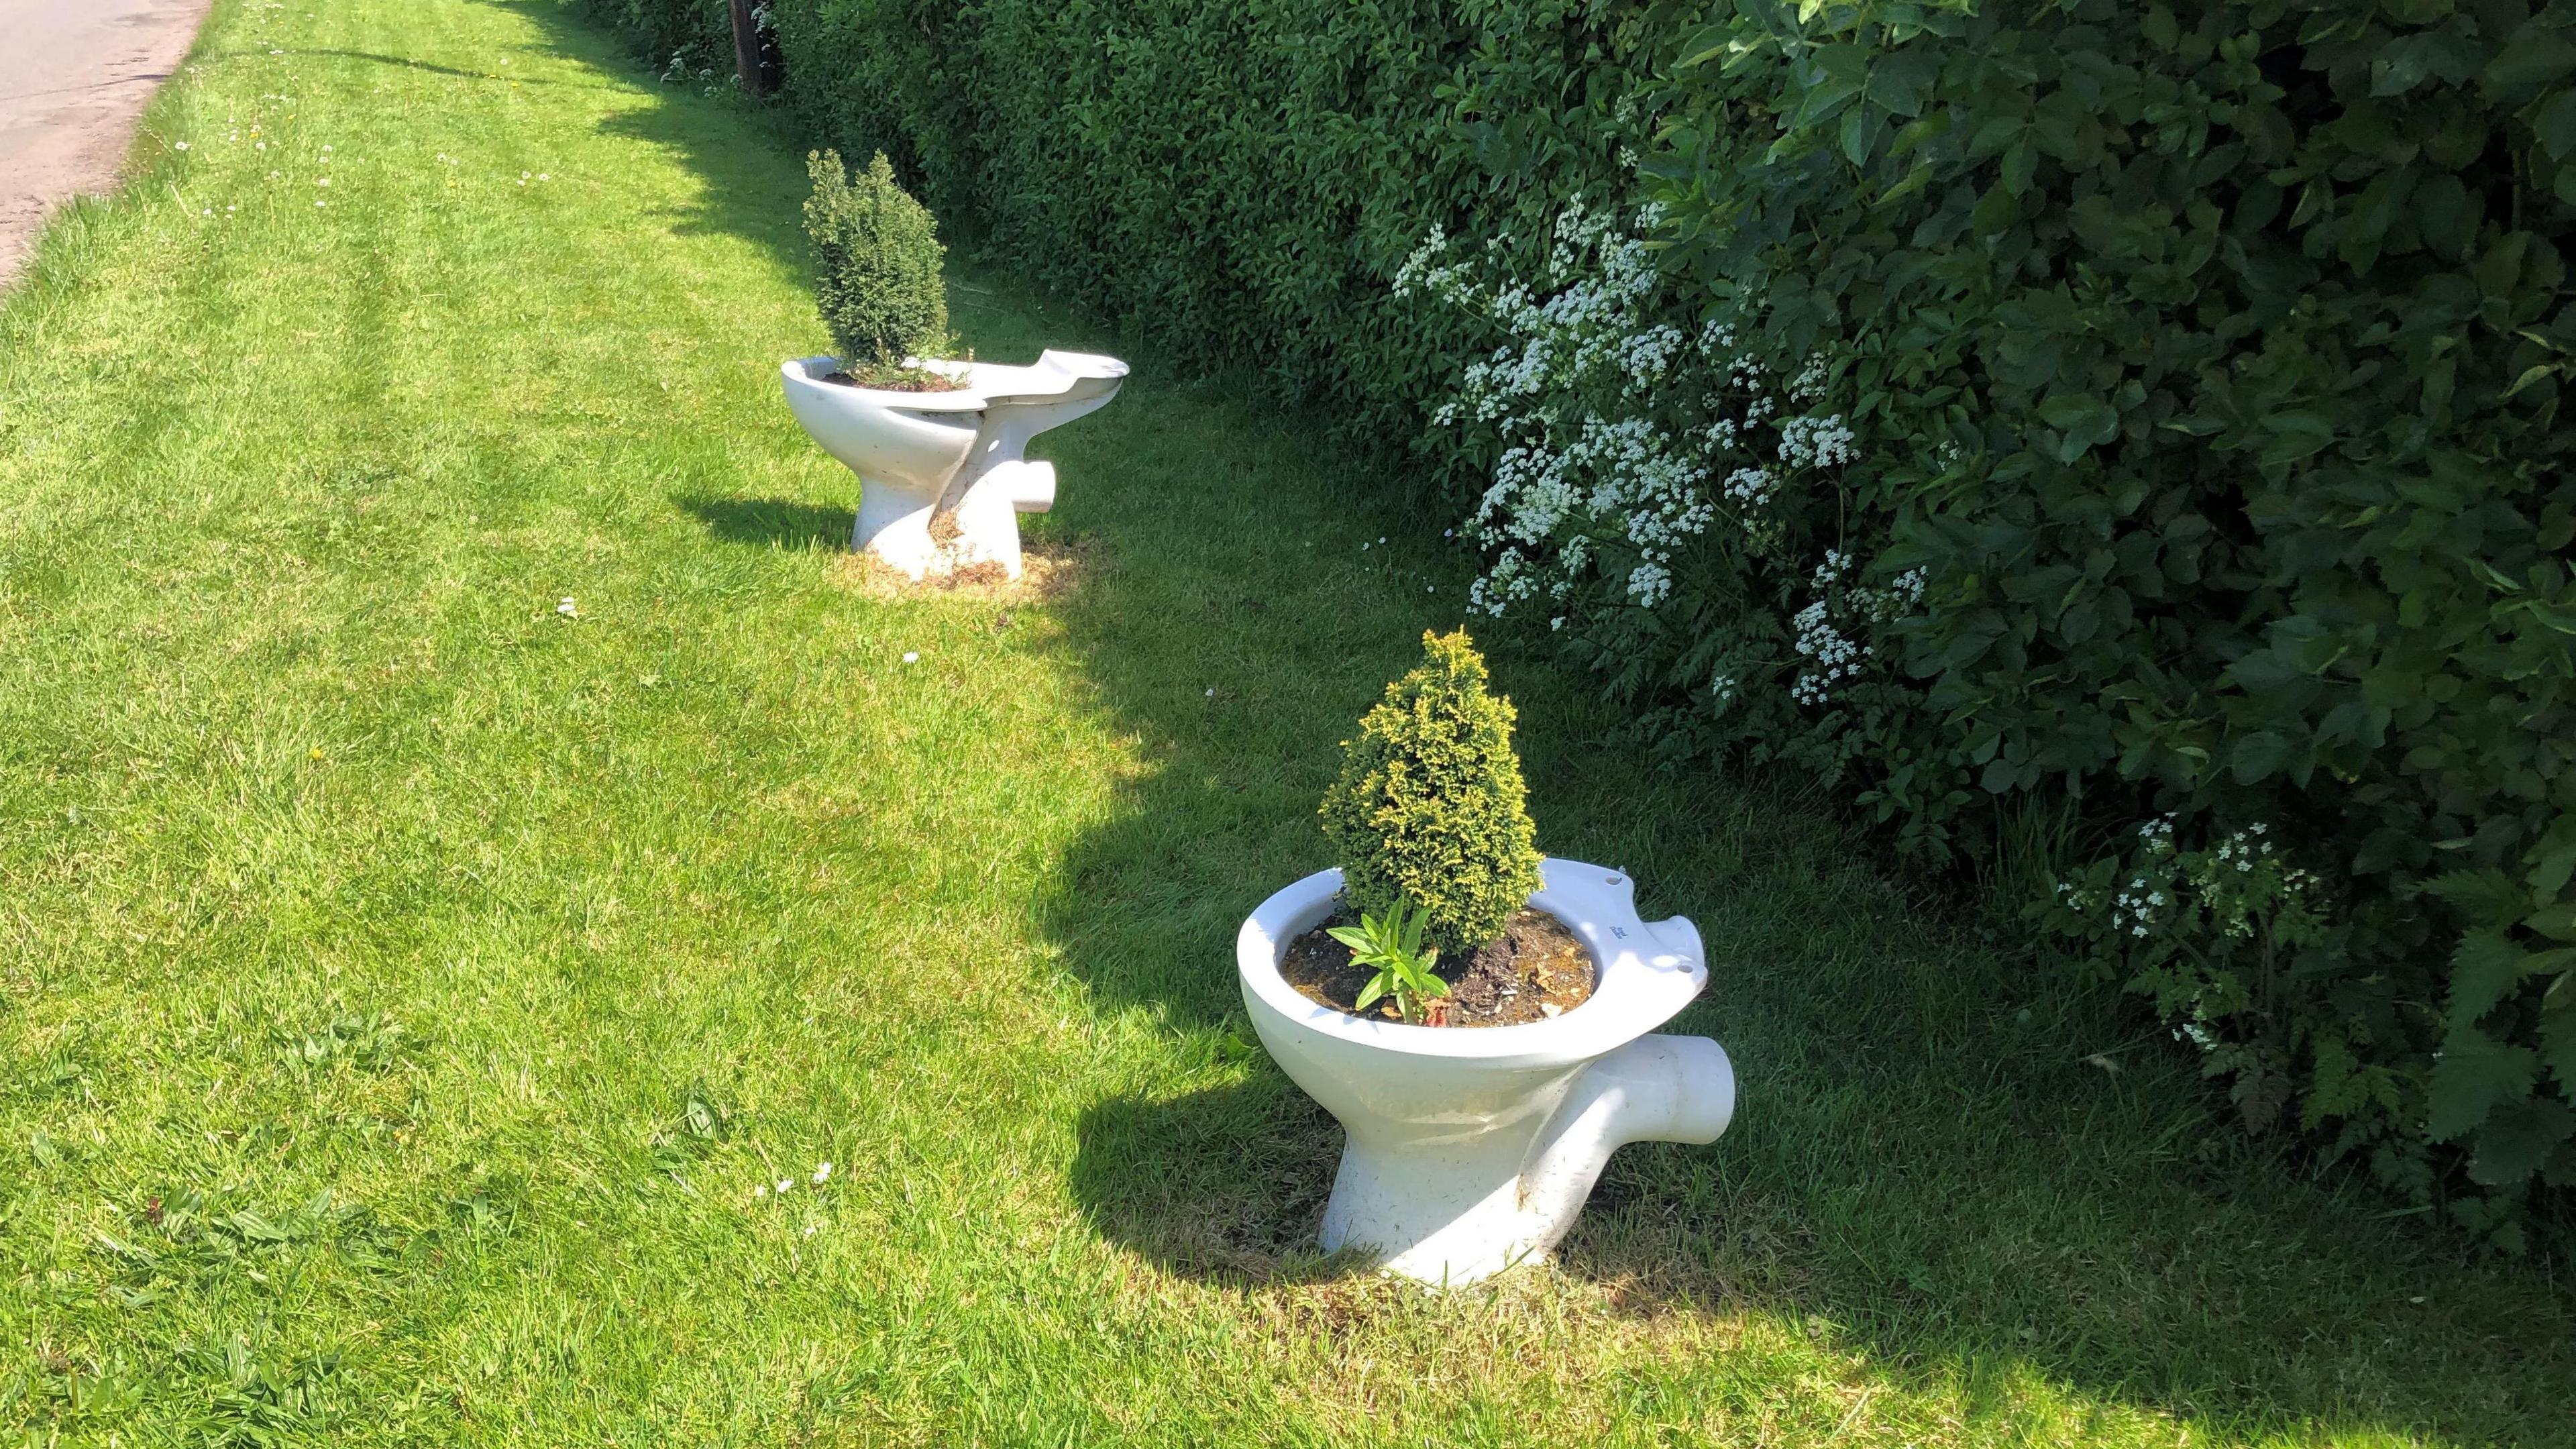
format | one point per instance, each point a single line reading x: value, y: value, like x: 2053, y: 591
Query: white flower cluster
x: 2243, y: 847
x: 1903, y: 594
x: 2213, y: 878
x: 1622, y: 437
x: 2137, y: 905
x: 1593, y: 447
x: 1817, y: 442
x: 1835, y: 658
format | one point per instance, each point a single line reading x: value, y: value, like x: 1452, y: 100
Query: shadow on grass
x: 772, y: 522
x: 396, y: 61
x: 1948, y: 1166
x: 1227, y: 1183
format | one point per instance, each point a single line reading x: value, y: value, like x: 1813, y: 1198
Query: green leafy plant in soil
x: 1391, y: 946
x: 334, y: 858
x: 1430, y: 808
x: 877, y: 262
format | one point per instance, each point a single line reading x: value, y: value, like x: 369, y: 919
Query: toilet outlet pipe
x: 1655, y: 1089
x: 1032, y: 486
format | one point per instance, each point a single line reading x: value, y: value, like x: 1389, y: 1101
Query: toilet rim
x: 1052, y: 375
x: 1648, y: 974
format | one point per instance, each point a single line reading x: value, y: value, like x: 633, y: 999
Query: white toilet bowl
x: 942, y: 476
x: 1470, y: 1149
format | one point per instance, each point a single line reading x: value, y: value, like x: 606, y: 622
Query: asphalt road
x: 74, y: 75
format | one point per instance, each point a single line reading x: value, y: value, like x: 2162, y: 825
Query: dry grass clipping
x: 1045, y: 572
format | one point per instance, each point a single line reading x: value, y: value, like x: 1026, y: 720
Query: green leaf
x: 1898, y: 82
x: 2517, y: 1139
x: 1375, y: 988
x: 2531, y: 60
x: 2557, y: 124
x: 2019, y: 163
x: 2089, y: 418
x: 2295, y: 435
x: 2484, y: 971
x: 1822, y: 100
x: 2558, y: 1044
x: 1856, y: 130
x: 2475, y: 1075
x: 2409, y: 60
x: 2556, y: 616
x: 2257, y: 755
x: 2557, y: 922
x: 2557, y: 862
x: 2489, y: 896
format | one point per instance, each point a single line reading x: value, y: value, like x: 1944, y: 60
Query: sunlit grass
x: 409, y: 990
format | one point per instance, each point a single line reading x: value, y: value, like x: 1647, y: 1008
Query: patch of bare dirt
x: 1045, y: 572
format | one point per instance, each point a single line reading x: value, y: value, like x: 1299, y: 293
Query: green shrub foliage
x: 681, y: 37
x: 876, y: 266
x: 2207, y: 361
x: 2176, y: 392
x: 1430, y: 807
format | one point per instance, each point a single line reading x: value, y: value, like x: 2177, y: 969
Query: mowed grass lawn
x: 406, y: 990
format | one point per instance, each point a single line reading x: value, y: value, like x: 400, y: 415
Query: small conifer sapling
x: 877, y: 275
x: 1430, y: 808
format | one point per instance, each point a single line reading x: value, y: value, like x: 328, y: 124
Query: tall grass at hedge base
x: 2203, y: 363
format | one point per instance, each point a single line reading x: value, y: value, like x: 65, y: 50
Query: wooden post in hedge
x: 755, y: 56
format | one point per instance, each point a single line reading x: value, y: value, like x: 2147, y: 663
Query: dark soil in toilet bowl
x: 1537, y: 969
x: 909, y: 380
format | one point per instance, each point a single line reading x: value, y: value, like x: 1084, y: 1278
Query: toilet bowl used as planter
x: 942, y: 475
x: 1470, y: 1149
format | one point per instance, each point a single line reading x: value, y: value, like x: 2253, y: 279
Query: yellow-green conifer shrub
x: 1430, y: 806
x: 876, y: 267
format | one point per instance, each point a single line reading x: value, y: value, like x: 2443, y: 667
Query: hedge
x: 2212, y: 358
x: 2189, y: 377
